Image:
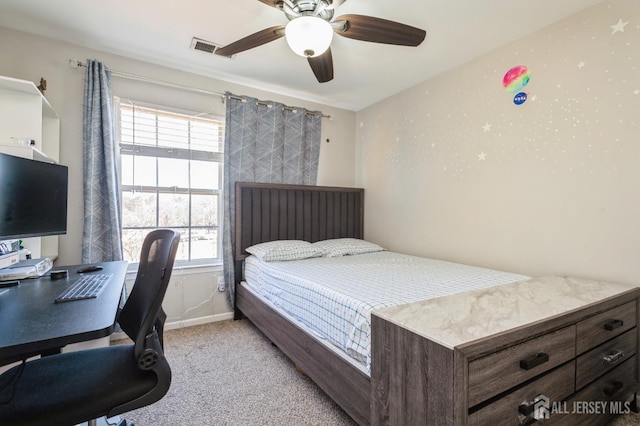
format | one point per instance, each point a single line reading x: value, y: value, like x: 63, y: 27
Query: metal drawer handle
x: 613, y: 357
x: 526, y: 409
x: 614, y: 388
x: 534, y: 361
x: 613, y: 324
x: 537, y: 409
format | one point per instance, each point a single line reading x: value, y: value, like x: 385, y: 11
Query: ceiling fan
x: 310, y: 30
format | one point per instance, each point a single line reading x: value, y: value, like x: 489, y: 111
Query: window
x: 171, y: 172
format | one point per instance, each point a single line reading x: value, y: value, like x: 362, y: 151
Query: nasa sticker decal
x: 520, y: 98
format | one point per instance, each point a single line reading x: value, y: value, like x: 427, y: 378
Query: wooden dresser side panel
x: 426, y: 366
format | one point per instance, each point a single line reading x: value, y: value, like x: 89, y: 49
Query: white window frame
x: 159, y: 152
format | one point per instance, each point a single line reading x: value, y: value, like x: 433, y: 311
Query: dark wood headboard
x: 268, y: 212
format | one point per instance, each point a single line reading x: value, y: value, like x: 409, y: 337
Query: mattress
x: 334, y: 297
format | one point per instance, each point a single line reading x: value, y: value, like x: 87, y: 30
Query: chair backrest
x: 144, y: 305
x: 142, y: 317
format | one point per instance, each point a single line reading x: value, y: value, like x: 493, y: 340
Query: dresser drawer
x: 598, y: 361
x: 606, y: 388
x: 611, y: 393
x: 556, y: 386
x: 500, y: 371
x: 604, y: 326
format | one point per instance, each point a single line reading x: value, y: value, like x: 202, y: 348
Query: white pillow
x: 345, y: 246
x: 284, y: 250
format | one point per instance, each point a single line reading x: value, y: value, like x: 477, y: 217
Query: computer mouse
x: 90, y: 268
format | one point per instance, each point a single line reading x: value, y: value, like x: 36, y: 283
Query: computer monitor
x: 33, y: 198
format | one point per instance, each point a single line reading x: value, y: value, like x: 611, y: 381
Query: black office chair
x: 75, y: 387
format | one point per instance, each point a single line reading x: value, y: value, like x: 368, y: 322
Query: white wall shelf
x: 26, y: 113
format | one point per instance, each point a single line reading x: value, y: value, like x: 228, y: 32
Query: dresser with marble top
x: 554, y: 350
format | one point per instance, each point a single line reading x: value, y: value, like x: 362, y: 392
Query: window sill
x: 186, y: 267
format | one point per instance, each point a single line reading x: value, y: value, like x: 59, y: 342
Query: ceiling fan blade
x: 322, y: 66
x: 377, y: 30
x: 254, y: 40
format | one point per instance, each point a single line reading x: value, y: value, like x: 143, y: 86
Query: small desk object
x: 559, y: 349
x: 31, y: 323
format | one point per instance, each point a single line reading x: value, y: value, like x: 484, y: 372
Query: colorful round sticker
x: 516, y: 78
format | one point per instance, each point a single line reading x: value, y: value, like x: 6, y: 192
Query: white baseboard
x: 173, y: 325
x: 198, y: 321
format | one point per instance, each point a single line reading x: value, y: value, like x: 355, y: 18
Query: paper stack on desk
x: 9, y: 253
x: 30, y: 268
x: 8, y: 260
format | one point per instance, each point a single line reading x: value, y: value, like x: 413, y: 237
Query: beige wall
x: 453, y: 169
x: 30, y: 57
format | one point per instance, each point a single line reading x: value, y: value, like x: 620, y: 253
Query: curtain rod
x: 284, y: 107
x: 74, y: 63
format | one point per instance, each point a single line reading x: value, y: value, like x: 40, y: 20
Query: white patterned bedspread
x: 334, y: 297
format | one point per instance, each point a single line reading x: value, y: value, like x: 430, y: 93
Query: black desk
x: 32, y: 323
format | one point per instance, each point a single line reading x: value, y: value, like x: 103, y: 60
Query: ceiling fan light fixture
x: 308, y: 36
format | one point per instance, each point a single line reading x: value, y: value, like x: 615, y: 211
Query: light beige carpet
x: 228, y: 373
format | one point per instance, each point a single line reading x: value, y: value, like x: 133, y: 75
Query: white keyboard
x: 86, y: 287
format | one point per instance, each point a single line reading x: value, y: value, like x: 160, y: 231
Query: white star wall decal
x: 619, y: 27
x: 486, y: 127
x: 482, y: 156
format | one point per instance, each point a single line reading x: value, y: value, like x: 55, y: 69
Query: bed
x: 281, y: 297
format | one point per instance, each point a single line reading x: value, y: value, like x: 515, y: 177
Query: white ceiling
x: 160, y: 32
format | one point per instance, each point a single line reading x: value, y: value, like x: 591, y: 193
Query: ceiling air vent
x: 203, y: 45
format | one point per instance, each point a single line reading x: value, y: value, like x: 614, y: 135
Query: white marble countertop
x: 464, y: 317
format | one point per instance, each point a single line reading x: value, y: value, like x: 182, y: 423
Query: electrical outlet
x: 220, y: 284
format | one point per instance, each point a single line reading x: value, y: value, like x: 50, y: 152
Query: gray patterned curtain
x: 264, y: 142
x: 101, y: 240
